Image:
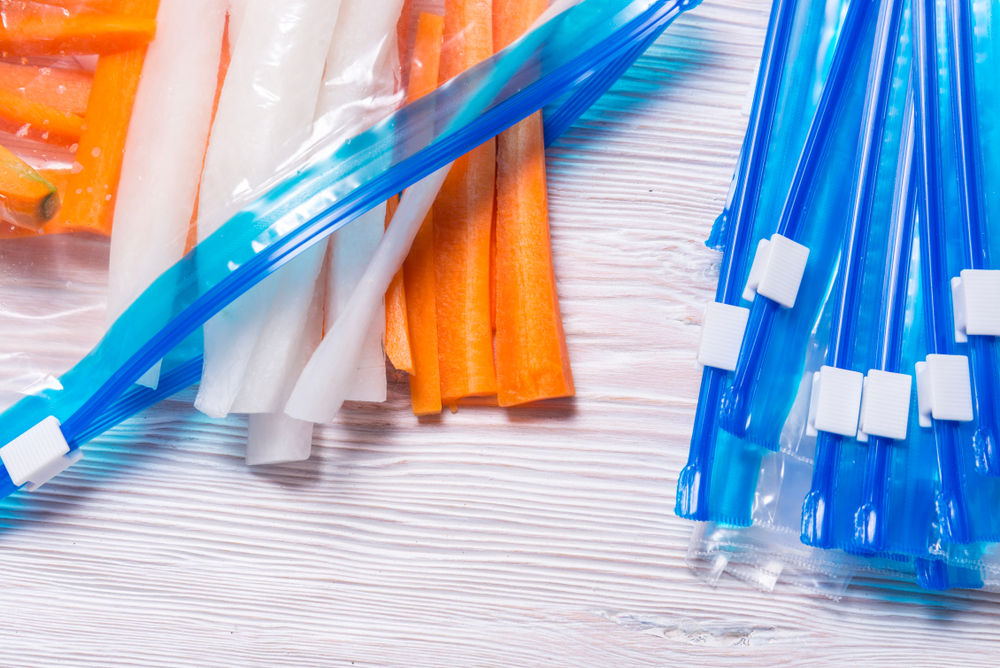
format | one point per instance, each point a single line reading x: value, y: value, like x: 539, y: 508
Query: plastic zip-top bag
x: 317, y: 192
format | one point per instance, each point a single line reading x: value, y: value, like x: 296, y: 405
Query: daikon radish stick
x: 327, y: 379
x: 530, y: 347
x: 164, y: 149
x: 265, y: 113
x: 90, y: 194
x: 360, y: 89
x: 237, y: 10
x: 274, y: 437
x: 463, y: 220
x: 360, y: 80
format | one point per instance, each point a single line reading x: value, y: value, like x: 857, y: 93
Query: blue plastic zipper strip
x: 334, y: 189
x: 693, y: 486
x: 951, y: 500
x: 983, y: 362
x: 872, y: 517
x: 818, y: 507
x: 736, y: 400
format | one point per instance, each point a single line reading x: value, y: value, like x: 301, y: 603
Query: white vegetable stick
x: 164, y: 150
x: 275, y: 438
x: 325, y: 382
x: 351, y: 250
x: 264, y: 114
x: 237, y: 10
x: 359, y: 88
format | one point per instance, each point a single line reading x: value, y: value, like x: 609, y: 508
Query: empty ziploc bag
x: 795, y: 262
x: 798, y: 32
x: 322, y: 190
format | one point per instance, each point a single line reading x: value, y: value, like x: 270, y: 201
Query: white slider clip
x: 944, y: 389
x: 777, y: 269
x: 835, y: 401
x: 37, y: 455
x: 976, y: 303
x: 722, y: 331
x: 885, y: 405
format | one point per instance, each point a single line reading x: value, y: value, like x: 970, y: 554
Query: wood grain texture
x: 542, y: 536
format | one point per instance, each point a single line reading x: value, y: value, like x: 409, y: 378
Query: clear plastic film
x: 327, y: 186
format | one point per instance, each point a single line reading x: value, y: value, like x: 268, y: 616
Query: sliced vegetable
x: 397, y: 334
x: 265, y: 111
x: 165, y: 149
x: 81, y: 5
x: 463, y: 218
x: 34, y: 120
x: 90, y: 194
x: 56, y: 87
x: 26, y: 199
x: 418, y: 269
x: 531, y: 358
x: 78, y: 35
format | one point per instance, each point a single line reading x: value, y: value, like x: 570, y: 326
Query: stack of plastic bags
x: 848, y: 415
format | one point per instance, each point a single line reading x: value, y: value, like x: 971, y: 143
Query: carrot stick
x: 91, y: 191
x: 56, y: 87
x: 531, y: 358
x: 419, y: 266
x: 80, y: 5
x: 38, y: 121
x: 26, y: 199
x: 462, y: 223
x: 397, y: 329
x: 78, y: 35
x: 402, y: 32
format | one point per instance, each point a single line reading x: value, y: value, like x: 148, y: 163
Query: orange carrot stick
x: 38, y: 121
x: 531, y: 358
x: 26, y: 199
x: 419, y: 267
x: 80, y: 5
x: 463, y: 218
x: 62, y: 89
x: 397, y: 330
x: 402, y: 32
x: 91, y: 191
x: 77, y: 35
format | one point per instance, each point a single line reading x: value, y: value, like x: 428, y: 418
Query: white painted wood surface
x: 535, y: 537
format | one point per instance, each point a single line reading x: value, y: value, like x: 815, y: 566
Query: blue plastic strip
x: 736, y: 401
x: 693, y: 486
x: 983, y: 361
x: 951, y: 500
x: 818, y: 507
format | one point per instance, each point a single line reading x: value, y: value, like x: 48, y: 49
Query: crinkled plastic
x: 324, y: 189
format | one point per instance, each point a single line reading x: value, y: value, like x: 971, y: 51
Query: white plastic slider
x: 37, y: 455
x: 944, y: 389
x: 976, y: 303
x: 885, y: 405
x: 835, y: 402
x: 777, y: 269
x: 722, y: 331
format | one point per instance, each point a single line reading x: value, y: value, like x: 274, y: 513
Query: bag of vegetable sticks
x: 324, y: 185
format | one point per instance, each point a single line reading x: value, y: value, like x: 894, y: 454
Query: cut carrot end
x: 26, y: 198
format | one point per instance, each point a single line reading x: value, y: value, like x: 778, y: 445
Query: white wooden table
x: 535, y: 537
